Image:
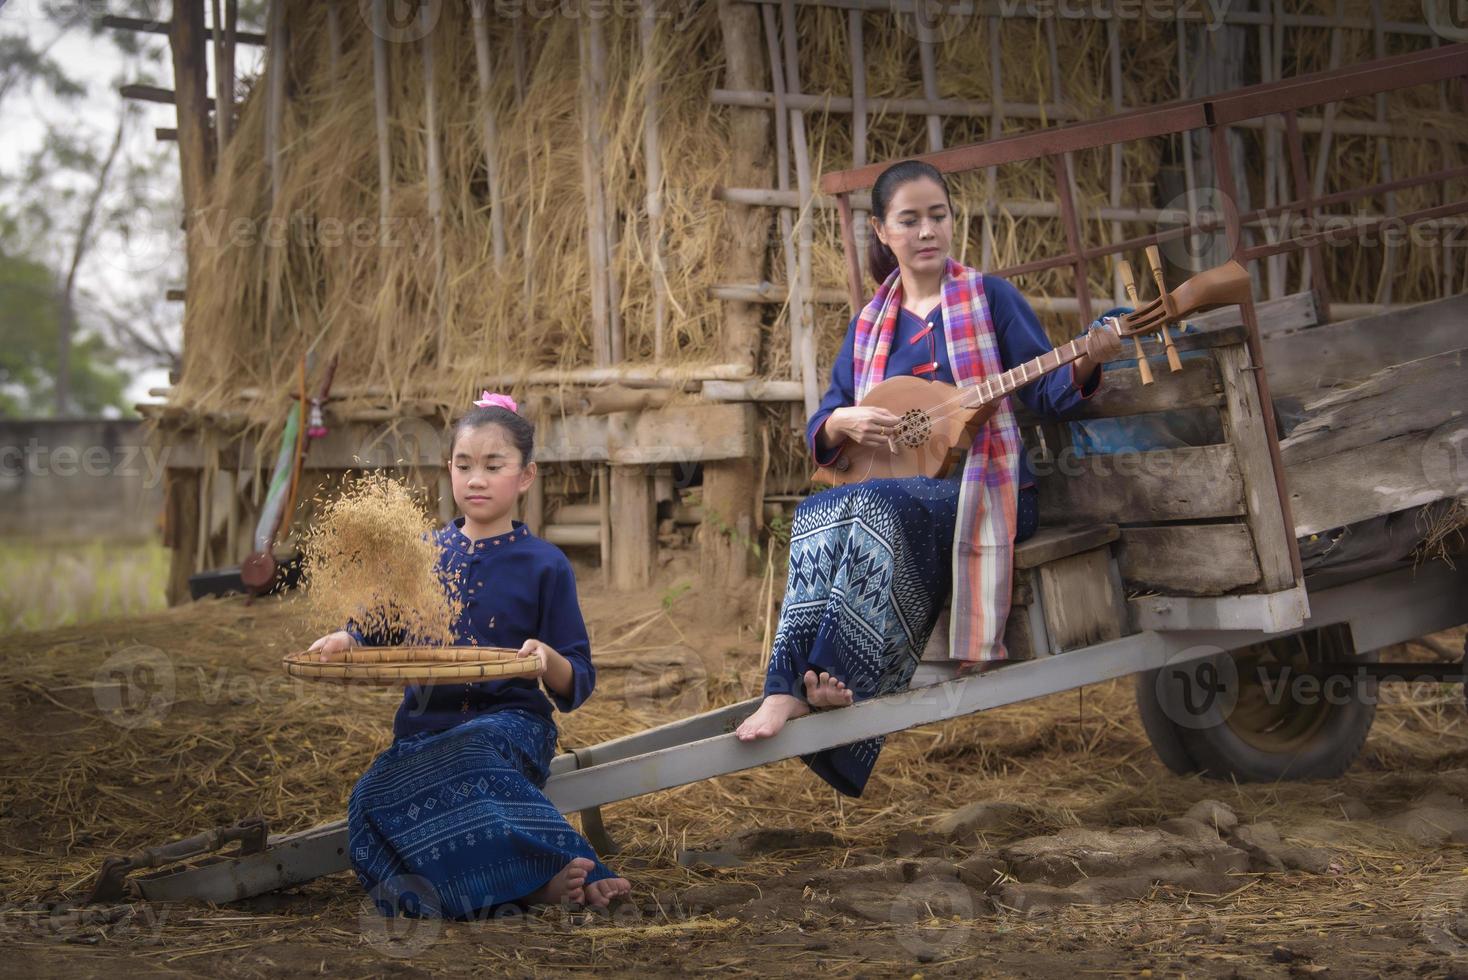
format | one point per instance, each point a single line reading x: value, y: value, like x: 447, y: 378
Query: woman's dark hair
x: 880, y: 259
x: 520, y: 429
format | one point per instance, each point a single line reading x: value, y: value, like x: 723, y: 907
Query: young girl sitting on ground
x: 453, y: 807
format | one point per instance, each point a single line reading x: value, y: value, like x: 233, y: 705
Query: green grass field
x: 46, y: 584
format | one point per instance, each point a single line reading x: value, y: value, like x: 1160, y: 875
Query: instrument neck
x: 995, y: 388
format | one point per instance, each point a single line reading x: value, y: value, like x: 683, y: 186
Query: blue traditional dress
x: 450, y: 820
x: 871, y: 562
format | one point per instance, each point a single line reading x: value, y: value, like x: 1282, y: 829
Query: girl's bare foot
x: 825, y: 691
x: 568, y: 885
x: 599, y: 894
x: 771, y: 716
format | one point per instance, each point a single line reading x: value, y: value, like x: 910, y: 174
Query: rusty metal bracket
x: 112, y: 884
x: 592, y: 826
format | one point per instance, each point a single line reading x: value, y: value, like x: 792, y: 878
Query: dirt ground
x: 1041, y: 840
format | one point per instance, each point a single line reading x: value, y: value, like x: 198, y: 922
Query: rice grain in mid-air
x: 371, y: 560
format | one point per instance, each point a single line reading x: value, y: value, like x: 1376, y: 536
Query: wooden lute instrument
x: 940, y: 420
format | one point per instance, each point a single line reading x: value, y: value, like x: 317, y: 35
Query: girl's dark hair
x: 522, y: 432
x: 880, y: 259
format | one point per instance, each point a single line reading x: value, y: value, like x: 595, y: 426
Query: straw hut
x: 609, y: 209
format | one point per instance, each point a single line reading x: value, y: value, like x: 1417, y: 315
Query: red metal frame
x: 1214, y: 113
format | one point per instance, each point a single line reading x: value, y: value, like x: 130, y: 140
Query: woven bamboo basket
x: 411, y: 665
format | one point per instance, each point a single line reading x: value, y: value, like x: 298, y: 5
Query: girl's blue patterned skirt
x: 453, y: 823
x: 870, y: 568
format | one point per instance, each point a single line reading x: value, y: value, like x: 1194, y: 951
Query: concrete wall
x: 79, y: 478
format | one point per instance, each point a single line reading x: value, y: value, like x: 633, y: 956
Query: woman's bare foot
x: 599, y: 894
x: 771, y: 716
x: 568, y: 885
x: 825, y: 691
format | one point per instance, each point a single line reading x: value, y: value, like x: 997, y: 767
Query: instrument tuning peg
x: 1154, y: 259
x: 1124, y: 269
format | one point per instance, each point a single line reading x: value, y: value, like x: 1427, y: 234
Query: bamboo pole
x: 929, y: 69
x: 1384, y: 154
x: 276, y: 66
x: 380, y: 110
x: 1267, y: 73
x: 996, y: 131
x: 333, y: 37
x: 1048, y: 112
x: 596, y: 224
x: 434, y: 175
x: 1113, y: 51
x: 653, y: 164
x: 857, y: 52
x: 225, y: 21
x: 489, y: 133
x: 793, y: 309
x: 806, y: 369
x: 1322, y: 157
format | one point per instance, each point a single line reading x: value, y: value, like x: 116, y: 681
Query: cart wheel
x: 1267, y: 724
x: 1166, y: 738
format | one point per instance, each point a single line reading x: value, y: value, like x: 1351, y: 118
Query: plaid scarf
x: 983, y: 538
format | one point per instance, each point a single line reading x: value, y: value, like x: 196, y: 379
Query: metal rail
x: 1384, y: 609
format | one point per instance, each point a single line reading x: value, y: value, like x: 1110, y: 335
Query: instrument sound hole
x: 916, y: 428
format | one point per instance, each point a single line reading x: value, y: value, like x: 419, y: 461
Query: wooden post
x: 604, y: 510
x: 1072, y: 233
x: 489, y: 134
x: 191, y: 99
x: 747, y: 226
x: 180, y: 529
x: 1384, y: 155
x: 1316, y: 257
x: 534, y: 508
x: 728, y: 526
x: 634, y: 527
x: 1244, y: 425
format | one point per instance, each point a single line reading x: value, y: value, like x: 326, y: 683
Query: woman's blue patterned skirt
x: 453, y: 823
x: 870, y: 569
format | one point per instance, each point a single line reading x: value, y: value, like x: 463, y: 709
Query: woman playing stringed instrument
x: 871, y: 562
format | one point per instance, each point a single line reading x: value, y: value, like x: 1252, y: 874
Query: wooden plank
x: 1122, y: 391
x: 695, y: 433
x: 1249, y: 433
x: 1343, y: 353
x: 634, y: 527
x: 1080, y: 601
x: 1280, y: 316
x: 1270, y: 612
x: 1053, y: 543
x: 1137, y: 488
x: 1189, y: 559
x: 1379, y: 479
x: 1413, y: 397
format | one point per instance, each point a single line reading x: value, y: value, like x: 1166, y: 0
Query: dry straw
x: 371, y: 560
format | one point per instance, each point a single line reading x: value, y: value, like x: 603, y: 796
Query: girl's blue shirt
x: 514, y: 587
x: 919, y: 348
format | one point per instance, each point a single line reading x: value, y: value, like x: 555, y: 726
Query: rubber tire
x: 1166, y: 738
x: 1219, y: 752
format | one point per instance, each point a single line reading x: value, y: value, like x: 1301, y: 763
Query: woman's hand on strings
x: 332, y: 644
x: 865, y: 426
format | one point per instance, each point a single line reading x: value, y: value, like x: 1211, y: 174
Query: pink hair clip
x: 490, y: 398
